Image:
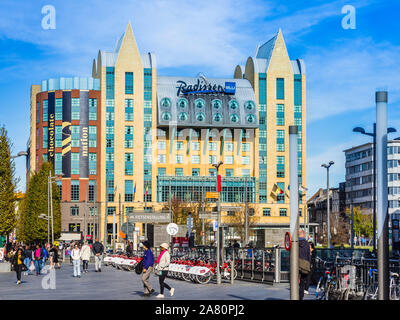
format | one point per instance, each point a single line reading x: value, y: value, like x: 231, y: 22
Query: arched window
x: 183, y: 116
x: 199, y: 103
x: 216, y: 104
x: 182, y: 103
x: 166, y: 116
x: 217, y: 117
x: 165, y: 102
x: 233, y: 104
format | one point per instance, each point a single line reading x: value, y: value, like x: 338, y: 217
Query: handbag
x: 139, y: 267
x: 24, y: 268
x: 32, y: 267
x: 304, y: 266
x: 157, y: 272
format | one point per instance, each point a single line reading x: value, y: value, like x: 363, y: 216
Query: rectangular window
x: 212, y: 146
x: 229, y: 146
x: 74, y: 162
x: 92, y: 190
x: 283, y: 212
x: 75, y: 136
x: 92, y: 163
x: 280, y: 167
x: 229, y: 172
x: 92, y: 136
x: 179, y: 145
x: 280, y: 114
x: 212, y: 159
x: 37, y: 112
x: 75, y: 108
x: 162, y: 145
x: 129, y: 190
x: 129, y: 137
x: 266, y: 212
x: 59, y: 188
x: 147, y: 117
x: 128, y: 82
x: 162, y: 158
x: 128, y: 164
x: 245, y: 172
x: 58, y: 136
x: 74, y: 190
x: 58, y: 109
x: 111, y: 211
x: 92, y: 109
x: 280, y: 88
x: 74, y: 211
x: 245, y: 160
x: 45, y: 137
x: 280, y: 140
x: 228, y: 159
x: 178, y: 172
x: 196, y: 172
x: 246, y: 146
x: 196, y: 159
x: 162, y: 171
x: 212, y: 172
x: 178, y: 158
x: 57, y: 163
x: 45, y: 110
x: 128, y: 109
x: 262, y: 133
x: 45, y: 157
x: 196, y: 146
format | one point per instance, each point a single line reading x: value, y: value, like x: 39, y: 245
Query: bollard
x: 242, y: 264
x: 263, y: 264
x: 277, y: 265
x: 252, y: 264
x: 232, y: 266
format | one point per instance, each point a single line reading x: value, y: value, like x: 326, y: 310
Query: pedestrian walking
x: 76, y: 260
x: 313, y: 267
x: 56, y: 256
x: 129, y: 249
x: 28, y: 259
x: 162, y: 268
x: 304, y: 256
x: 38, y: 257
x: 98, y: 250
x: 18, y: 262
x: 45, y: 256
x: 148, y: 262
x: 85, y: 254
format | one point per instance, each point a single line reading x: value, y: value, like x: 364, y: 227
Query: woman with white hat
x: 163, y: 262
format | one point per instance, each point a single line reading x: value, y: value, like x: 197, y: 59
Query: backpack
x: 139, y: 267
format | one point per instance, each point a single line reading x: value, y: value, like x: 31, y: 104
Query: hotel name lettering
x: 199, y: 87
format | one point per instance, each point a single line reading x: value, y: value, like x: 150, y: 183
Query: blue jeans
x: 77, y: 267
x: 38, y: 266
x: 43, y: 262
x: 27, y: 263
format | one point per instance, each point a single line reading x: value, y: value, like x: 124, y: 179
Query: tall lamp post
x: 327, y: 166
x: 46, y: 217
x: 373, y: 135
x: 218, y: 225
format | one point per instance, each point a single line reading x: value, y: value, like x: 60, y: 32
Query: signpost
x: 172, y: 229
x: 149, y: 217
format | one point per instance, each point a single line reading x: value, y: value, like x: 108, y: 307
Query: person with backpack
x: 162, y: 268
x: 98, y: 250
x: 45, y: 256
x: 304, y: 262
x: 38, y: 257
x: 148, y: 262
x: 18, y: 262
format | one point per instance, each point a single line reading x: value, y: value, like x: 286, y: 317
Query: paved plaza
x: 113, y: 284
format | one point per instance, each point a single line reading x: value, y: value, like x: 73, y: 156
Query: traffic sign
x: 208, y: 215
x: 215, y: 226
x: 127, y: 227
x: 212, y: 195
x: 231, y: 208
x: 288, y: 241
x: 172, y: 229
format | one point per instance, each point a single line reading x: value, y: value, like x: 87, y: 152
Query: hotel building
x: 127, y: 139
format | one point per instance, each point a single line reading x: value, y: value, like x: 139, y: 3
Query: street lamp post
x: 373, y: 135
x: 327, y: 166
x: 46, y: 217
x: 218, y: 227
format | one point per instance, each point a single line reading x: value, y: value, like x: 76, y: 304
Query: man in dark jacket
x: 304, y: 253
x: 98, y: 250
x: 129, y: 249
x: 148, y: 262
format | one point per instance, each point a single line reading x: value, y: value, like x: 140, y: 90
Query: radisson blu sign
x: 201, y: 87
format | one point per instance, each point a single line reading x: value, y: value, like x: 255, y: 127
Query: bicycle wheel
x: 333, y: 290
x: 204, y: 279
x: 320, y: 289
x: 372, y: 292
x: 394, y: 290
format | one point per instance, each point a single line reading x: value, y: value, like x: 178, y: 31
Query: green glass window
x: 128, y: 82
x: 280, y: 167
x: 182, y: 103
x: 75, y: 108
x: 280, y: 140
x: 233, y: 104
x: 92, y: 191
x: 196, y: 172
x: 92, y: 136
x: 283, y: 212
x: 280, y: 114
x: 217, y: 117
x: 58, y: 163
x: 216, y: 104
x: 165, y: 102
x: 45, y: 110
x: 74, y: 211
x: 128, y: 190
x: 183, y: 116
x: 75, y: 163
x: 74, y: 190
x: 166, y: 116
x: 92, y: 109
x: 266, y: 212
x: 229, y: 172
x: 178, y: 172
x: 92, y: 163
x: 249, y: 105
x: 58, y: 109
x: 199, y: 103
x: 250, y: 118
x: 45, y: 137
x: 128, y: 164
x: 280, y: 88
x: 234, y: 118
x: 162, y: 171
x: 75, y: 136
x: 58, y: 134
x: 200, y: 116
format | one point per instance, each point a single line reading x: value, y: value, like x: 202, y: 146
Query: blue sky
x: 344, y: 67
